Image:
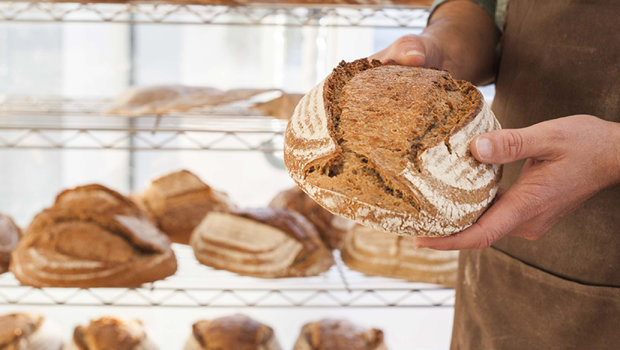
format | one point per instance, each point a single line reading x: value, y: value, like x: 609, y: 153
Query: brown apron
x: 559, y: 57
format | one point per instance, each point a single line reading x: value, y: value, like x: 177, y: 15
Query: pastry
x: 236, y: 332
x: 379, y: 253
x: 332, y: 334
x: 179, y: 201
x: 9, y: 236
x: 388, y: 146
x: 332, y: 228
x: 110, y: 333
x: 92, y: 237
x: 28, y: 331
x: 264, y: 243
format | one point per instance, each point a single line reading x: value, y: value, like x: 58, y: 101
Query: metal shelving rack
x: 57, y: 123
x: 161, y: 12
x: 195, y: 285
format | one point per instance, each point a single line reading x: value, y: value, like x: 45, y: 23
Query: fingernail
x: 414, y: 53
x: 484, y: 148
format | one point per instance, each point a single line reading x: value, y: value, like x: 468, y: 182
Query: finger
x: 503, y: 217
x: 408, y: 50
x: 509, y: 145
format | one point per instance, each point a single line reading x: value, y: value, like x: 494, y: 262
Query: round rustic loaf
x: 388, y: 147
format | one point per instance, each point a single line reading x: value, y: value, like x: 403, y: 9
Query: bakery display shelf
x: 55, y: 123
x: 195, y: 285
x: 161, y: 12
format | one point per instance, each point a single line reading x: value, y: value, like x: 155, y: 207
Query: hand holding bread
x: 388, y: 147
x: 557, y: 177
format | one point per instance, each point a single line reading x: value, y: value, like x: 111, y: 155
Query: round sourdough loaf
x: 388, y: 147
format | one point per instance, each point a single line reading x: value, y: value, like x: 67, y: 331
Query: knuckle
x: 487, y: 238
x: 406, y: 40
x: 512, y: 142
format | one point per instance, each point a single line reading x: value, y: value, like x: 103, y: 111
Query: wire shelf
x: 195, y: 285
x: 158, y: 12
x: 55, y: 123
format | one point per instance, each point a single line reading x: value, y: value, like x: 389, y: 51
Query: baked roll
x: 379, y: 253
x: 28, y: 331
x: 266, y: 243
x: 92, y: 237
x: 179, y: 201
x: 237, y: 332
x: 331, y: 228
x: 9, y: 236
x: 388, y: 146
x: 331, y: 334
x: 111, y: 333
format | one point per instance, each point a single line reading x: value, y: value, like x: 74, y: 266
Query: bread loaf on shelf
x: 266, y: 243
x: 29, y: 331
x: 9, y: 237
x: 333, y: 334
x: 179, y: 201
x: 92, y: 237
x: 379, y: 253
x: 388, y: 147
x: 111, y: 333
x: 163, y: 99
x: 331, y: 228
x: 281, y: 107
x: 237, y: 332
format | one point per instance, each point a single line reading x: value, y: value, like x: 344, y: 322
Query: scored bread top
x: 179, y: 201
x: 111, y: 333
x: 232, y: 332
x: 92, y: 237
x: 336, y: 334
x: 388, y: 146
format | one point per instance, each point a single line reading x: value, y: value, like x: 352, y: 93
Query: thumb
x: 408, y: 50
x: 509, y: 145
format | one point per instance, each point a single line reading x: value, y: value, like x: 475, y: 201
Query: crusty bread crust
x: 335, y: 334
x: 179, y: 201
x: 267, y: 243
x: 92, y: 237
x: 378, y: 253
x: 237, y: 332
x: 332, y: 228
x: 436, y: 188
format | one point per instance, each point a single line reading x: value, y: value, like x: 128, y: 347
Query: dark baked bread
x: 92, y: 237
x: 332, y: 228
x: 379, y: 253
x: 9, y: 236
x: 264, y: 243
x: 28, y: 331
x: 331, y: 334
x: 237, y: 332
x: 111, y: 333
x: 388, y: 146
x: 179, y: 201
x: 280, y: 107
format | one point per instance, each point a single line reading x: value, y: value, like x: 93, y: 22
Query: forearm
x: 466, y: 38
